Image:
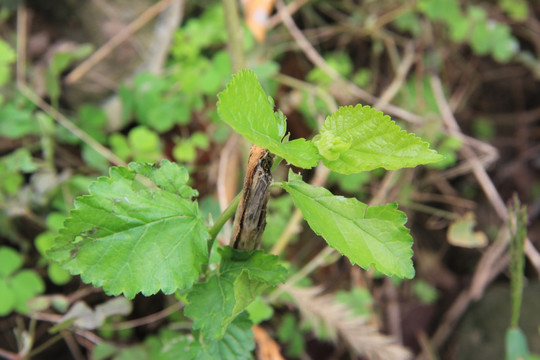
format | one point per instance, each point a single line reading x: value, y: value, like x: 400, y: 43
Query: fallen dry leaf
x: 267, y: 348
x: 256, y: 14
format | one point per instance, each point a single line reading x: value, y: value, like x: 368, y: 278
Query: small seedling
x: 132, y: 238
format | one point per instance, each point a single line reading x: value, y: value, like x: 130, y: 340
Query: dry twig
x: 77, y: 73
x: 318, y: 61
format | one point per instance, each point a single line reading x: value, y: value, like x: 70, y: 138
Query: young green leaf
x: 359, y: 138
x: 129, y: 238
x: 241, y: 278
x: 247, y: 109
x: 236, y: 344
x: 367, y: 235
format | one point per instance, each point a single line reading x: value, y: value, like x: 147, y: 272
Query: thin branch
x: 234, y: 31
x: 144, y: 320
x: 22, y: 37
x: 399, y: 79
x: 100, y: 54
x: 46, y: 345
x: 490, y: 265
x: 74, y: 129
x: 479, y: 171
x: 9, y: 355
x: 318, y: 61
x: 292, y: 7
x: 73, y: 346
x: 292, y: 228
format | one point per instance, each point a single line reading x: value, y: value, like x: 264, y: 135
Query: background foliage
x: 462, y: 75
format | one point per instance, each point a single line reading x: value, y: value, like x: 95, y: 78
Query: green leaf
x: 176, y: 347
x: 58, y: 275
x: 246, y: 108
x: 217, y: 73
x: 120, y: 146
x: 16, y: 123
x: 25, y: 285
x: 459, y: 28
x: 367, y: 235
x: 103, y: 351
x: 289, y: 333
x: 145, y: 144
x: 129, y: 238
x: 445, y: 10
x: 60, y: 62
x: 20, y: 160
x: 259, y: 311
x: 360, y: 138
x: 184, y: 152
x: 331, y: 146
x: 516, y: 345
x: 16, y: 287
x: 516, y: 9
x: 7, y: 300
x: 93, y: 120
x: 200, y: 140
x: 169, y: 176
x: 5, y: 76
x: 242, y: 276
x: 236, y: 344
x: 157, y: 102
x: 10, y: 261
x: 94, y: 159
x: 7, y: 54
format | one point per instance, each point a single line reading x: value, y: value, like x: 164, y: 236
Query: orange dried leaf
x: 267, y: 348
x: 256, y: 14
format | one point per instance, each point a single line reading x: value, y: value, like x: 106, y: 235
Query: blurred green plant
x: 13, y: 166
x: 358, y: 300
x: 290, y: 333
x: 185, y: 150
x: 141, y: 144
x: 517, y: 9
x: 485, y: 36
x: 351, y: 183
x: 16, y: 286
x: 7, y: 57
x: 61, y: 60
x: 484, y: 129
x: 16, y: 117
x: 155, y: 102
x: 425, y: 292
x: 280, y: 211
x: 516, y: 341
x: 45, y: 241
